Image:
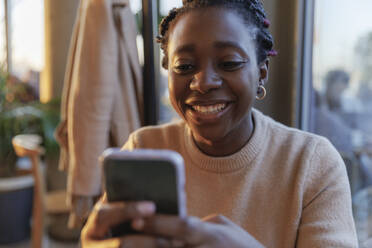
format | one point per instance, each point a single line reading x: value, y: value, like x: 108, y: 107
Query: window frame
x: 306, y: 9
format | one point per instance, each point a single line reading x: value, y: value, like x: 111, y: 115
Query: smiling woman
x: 222, y: 72
x: 267, y: 184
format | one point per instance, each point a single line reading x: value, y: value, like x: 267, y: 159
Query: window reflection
x: 342, y: 96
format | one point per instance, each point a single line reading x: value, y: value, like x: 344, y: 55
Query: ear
x: 264, y: 70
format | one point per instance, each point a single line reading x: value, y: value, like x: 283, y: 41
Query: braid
x: 252, y: 12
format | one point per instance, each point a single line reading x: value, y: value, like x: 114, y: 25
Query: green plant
x: 20, y: 117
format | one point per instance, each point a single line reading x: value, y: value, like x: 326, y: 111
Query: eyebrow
x: 185, y: 48
x: 218, y: 44
x: 229, y: 44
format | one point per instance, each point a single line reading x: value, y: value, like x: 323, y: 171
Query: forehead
x: 206, y: 26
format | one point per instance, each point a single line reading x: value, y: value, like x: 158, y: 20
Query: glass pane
x: 27, y: 40
x: 136, y: 7
x: 342, y: 106
x: 2, y: 36
x: 166, y: 5
x: 166, y: 112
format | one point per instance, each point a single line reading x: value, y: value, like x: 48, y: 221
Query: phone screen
x: 138, y: 180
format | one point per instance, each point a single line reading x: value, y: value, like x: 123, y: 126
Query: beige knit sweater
x: 285, y: 187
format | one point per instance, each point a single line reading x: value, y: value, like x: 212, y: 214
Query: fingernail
x: 146, y: 208
x: 138, y: 224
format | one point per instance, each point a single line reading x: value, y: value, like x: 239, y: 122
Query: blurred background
x: 321, y: 82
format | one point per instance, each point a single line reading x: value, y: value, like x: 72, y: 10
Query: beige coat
x: 102, y: 96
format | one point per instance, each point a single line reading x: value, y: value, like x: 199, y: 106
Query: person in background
x: 329, y: 124
x: 250, y: 181
x: 336, y: 82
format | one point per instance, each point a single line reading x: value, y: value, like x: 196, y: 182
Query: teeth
x: 211, y: 109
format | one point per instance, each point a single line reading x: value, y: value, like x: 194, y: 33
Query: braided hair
x: 252, y: 12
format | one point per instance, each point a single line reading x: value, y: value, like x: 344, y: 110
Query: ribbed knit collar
x: 233, y: 162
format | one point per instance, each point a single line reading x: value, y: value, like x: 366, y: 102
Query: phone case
x: 169, y: 156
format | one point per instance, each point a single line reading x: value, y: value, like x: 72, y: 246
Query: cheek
x: 172, y: 94
x: 244, y: 86
x: 176, y: 94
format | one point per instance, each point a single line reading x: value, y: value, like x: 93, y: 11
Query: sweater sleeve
x: 326, y: 219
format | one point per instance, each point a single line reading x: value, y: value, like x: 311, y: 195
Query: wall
x: 59, y: 19
x: 280, y: 102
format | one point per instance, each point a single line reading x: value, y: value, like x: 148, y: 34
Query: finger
x: 105, y: 216
x: 128, y: 242
x: 135, y: 241
x: 107, y: 243
x: 190, y: 230
x: 104, y: 198
x: 99, y: 202
x: 138, y: 224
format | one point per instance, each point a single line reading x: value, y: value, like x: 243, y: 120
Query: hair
x: 251, y: 11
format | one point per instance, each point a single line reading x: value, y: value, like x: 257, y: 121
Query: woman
x: 266, y: 184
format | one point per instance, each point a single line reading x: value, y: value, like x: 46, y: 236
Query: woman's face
x: 213, y: 74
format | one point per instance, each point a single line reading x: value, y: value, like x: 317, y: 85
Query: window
x: 342, y: 94
x: 136, y: 7
x: 2, y: 36
x: 27, y: 39
x: 25, y: 22
x: 166, y: 112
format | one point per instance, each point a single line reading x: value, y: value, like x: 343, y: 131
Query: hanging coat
x: 102, y: 95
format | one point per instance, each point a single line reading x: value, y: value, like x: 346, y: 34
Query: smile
x: 209, y: 109
x: 212, y: 112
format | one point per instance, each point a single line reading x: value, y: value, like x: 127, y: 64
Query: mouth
x: 209, y: 109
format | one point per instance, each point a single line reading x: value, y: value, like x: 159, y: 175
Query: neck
x: 231, y: 143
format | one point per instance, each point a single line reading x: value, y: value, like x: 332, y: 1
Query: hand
x: 106, y: 215
x: 215, y: 231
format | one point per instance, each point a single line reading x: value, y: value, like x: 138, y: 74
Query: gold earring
x: 261, y: 92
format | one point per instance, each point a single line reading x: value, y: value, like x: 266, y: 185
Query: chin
x: 209, y: 134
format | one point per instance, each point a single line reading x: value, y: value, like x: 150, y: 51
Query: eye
x: 231, y: 65
x: 183, y: 68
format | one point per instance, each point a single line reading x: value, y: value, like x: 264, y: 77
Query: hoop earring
x: 261, y: 92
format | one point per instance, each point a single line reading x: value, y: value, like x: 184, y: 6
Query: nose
x: 205, y: 80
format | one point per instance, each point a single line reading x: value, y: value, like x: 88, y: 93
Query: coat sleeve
x: 326, y: 219
x: 93, y: 78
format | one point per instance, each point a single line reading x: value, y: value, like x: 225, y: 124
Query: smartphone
x: 145, y: 175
